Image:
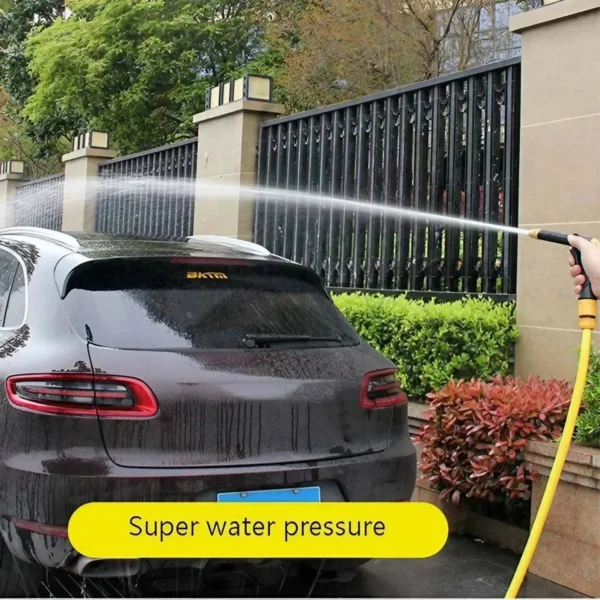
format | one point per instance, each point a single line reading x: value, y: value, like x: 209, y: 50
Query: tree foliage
x: 334, y: 51
x: 19, y: 138
x: 17, y: 143
x: 138, y: 69
x: 17, y: 20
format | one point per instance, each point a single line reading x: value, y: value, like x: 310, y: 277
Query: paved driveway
x: 465, y: 568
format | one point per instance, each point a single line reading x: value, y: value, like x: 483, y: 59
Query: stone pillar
x: 12, y: 172
x: 228, y: 154
x: 81, y: 171
x: 559, y: 175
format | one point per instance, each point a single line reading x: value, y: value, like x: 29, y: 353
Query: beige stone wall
x: 8, y: 184
x: 227, y: 154
x: 569, y: 552
x: 559, y: 175
x: 569, y: 549
x: 79, y: 202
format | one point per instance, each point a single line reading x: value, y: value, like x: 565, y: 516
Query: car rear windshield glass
x: 168, y: 305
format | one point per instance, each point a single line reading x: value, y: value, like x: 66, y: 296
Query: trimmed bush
x: 433, y: 342
x: 476, y: 433
x: 588, y: 423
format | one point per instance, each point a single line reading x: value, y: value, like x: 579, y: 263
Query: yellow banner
x: 105, y: 530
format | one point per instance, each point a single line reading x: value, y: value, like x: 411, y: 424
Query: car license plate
x: 306, y: 494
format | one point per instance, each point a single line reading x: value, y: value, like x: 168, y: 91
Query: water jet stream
x: 153, y: 189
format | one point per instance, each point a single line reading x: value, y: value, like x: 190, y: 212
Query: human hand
x: 590, y: 257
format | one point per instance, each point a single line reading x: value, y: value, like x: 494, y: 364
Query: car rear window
x: 162, y: 304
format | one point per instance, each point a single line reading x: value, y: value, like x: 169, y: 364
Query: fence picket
x: 447, y: 145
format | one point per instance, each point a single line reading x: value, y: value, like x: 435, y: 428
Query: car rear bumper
x: 51, y: 499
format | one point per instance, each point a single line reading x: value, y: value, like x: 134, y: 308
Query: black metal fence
x: 447, y: 146
x: 131, y: 203
x: 39, y: 203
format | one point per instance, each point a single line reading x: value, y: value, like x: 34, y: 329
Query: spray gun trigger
x: 586, y: 290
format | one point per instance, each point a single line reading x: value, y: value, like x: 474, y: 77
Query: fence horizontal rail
x: 40, y: 181
x: 130, y: 204
x: 447, y: 146
x: 39, y: 203
x: 130, y: 157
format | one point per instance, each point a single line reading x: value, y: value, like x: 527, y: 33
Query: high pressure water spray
x: 587, y: 323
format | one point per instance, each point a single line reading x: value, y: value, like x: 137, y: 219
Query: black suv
x: 207, y: 370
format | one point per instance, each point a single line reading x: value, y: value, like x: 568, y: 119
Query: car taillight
x: 83, y: 395
x: 42, y: 528
x: 380, y: 389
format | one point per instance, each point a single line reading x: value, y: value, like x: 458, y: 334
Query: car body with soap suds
x: 206, y: 370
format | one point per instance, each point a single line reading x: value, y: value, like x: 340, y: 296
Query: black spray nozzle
x: 563, y: 239
x: 550, y: 236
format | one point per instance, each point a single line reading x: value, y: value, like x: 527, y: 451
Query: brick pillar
x: 559, y: 189
x: 227, y: 153
x: 81, y: 170
x: 12, y: 172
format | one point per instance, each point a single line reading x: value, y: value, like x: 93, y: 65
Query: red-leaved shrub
x: 476, y: 432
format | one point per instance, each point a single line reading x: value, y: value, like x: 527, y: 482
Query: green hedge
x: 431, y: 342
x: 588, y: 422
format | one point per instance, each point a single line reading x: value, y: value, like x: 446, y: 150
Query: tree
x: 344, y: 50
x: 17, y: 144
x: 136, y: 68
x: 333, y: 50
x: 17, y: 19
x: 280, y: 22
x: 140, y: 68
x: 19, y: 138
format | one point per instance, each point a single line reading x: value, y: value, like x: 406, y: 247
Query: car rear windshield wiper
x: 252, y: 340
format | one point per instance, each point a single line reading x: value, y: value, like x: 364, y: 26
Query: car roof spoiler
x: 230, y: 242
x: 57, y: 237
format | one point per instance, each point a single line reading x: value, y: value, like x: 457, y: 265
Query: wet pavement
x: 466, y: 568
